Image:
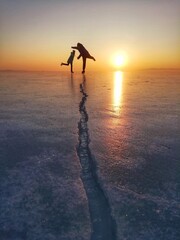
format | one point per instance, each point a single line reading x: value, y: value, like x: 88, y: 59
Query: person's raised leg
x: 66, y: 64
x: 91, y: 57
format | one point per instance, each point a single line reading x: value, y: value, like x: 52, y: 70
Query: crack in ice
x: 102, y: 223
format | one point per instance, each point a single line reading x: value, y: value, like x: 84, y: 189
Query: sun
x: 119, y: 60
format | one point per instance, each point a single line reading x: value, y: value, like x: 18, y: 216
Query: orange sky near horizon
x: 38, y: 35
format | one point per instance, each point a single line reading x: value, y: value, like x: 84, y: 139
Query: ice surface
x: 42, y: 196
x: 134, y: 133
x: 135, y: 137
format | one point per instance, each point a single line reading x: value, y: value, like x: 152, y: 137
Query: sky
x: 38, y: 34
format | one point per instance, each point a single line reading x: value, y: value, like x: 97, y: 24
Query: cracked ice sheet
x: 134, y: 138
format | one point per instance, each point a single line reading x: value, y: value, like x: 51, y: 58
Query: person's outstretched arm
x: 79, y: 56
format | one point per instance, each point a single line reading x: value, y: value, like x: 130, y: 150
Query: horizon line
x: 123, y: 70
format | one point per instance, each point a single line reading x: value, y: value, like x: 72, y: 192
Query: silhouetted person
x: 70, y: 61
x: 84, y: 54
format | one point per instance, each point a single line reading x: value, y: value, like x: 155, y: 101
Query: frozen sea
x: 133, y: 129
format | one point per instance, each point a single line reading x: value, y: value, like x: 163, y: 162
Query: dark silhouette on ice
x: 84, y: 54
x: 70, y: 60
x: 103, y: 225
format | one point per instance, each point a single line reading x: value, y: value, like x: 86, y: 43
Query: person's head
x: 79, y: 44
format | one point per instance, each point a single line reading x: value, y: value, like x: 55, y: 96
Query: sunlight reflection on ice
x: 117, y: 96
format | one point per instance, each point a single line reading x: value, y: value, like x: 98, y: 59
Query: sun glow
x: 119, y: 60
